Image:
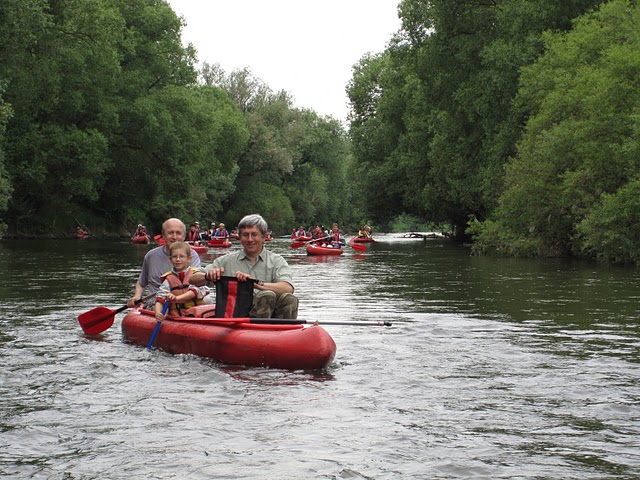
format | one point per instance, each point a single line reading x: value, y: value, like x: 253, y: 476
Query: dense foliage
x: 572, y: 186
x: 513, y: 122
x: 516, y: 122
x: 433, y: 121
x: 294, y: 169
x: 103, y: 122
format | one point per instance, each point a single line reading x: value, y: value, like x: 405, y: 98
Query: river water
x: 493, y: 369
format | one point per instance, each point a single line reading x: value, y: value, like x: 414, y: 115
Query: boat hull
x: 219, y: 242
x: 362, y: 240
x: 302, y: 238
x: 290, y: 347
x: 140, y: 240
x: 200, y: 249
x: 320, y: 250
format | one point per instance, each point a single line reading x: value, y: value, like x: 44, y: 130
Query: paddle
x: 302, y: 244
x: 276, y: 321
x: 99, y: 319
x: 155, y: 330
x: 356, y: 246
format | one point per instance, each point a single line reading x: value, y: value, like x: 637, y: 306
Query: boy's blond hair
x: 180, y: 246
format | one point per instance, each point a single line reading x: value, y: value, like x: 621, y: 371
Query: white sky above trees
x: 305, y: 47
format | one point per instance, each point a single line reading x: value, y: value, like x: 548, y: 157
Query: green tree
x: 5, y: 185
x: 58, y: 63
x: 293, y: 155
x: 178, y: 157
x: 318, y: 187
x: 433, y: 121
x: 580, y: 147
x: 108, y: 118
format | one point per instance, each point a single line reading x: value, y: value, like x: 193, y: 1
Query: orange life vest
x: 178, y: 287
x: 193, y: 236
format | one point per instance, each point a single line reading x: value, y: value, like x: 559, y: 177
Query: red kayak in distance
x: 302, y: 238
x: 220, y: 242
x: 314, y: 249
x: 362, y: 240
x: 140, y: 239
x: 199, y: 249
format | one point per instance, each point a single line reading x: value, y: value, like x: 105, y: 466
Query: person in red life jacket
x: 175, y: 287
x: 335, y: 237
x: 141, y: 231
x: 193, y: 235
x: 82, y: 232
x: 317, y: 232
x: 221, y: 232
x: 300, y: 232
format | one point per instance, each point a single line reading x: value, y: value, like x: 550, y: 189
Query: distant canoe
x: 362, y: 240
x: 199, y: 249
x: 219, y: 242
x: 302, y: 238
x: 140, y: 239
x: 313, y: 249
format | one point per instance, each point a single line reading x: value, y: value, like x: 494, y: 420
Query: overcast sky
x: 305, y: 47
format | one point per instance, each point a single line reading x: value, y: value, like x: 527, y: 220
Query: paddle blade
x: 97, y: 320
x: 357, y: 247
x: 297, y: 244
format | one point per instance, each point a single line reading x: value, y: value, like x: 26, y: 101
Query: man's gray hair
x: 253, y: 220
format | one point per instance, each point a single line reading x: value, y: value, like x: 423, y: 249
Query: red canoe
x: 220, y: 242
x: 313, y: 249
x: 301, y: 238
x: 290, y: 347
x: 362, y: 240
x: 140, y: 239
x: 199, y: 248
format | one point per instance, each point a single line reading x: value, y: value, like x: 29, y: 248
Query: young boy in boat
x: 175, y: 287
